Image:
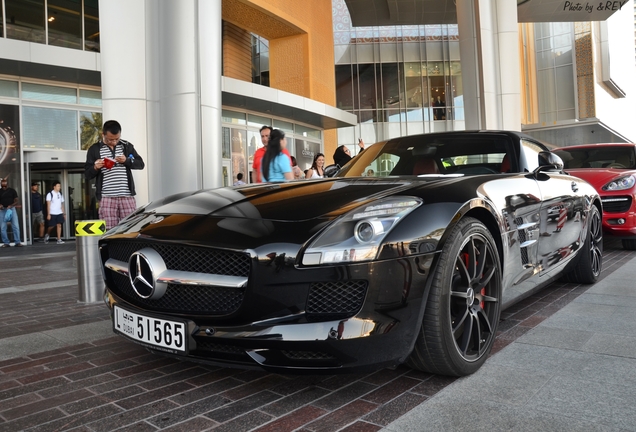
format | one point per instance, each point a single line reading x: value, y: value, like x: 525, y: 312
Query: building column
x: 161, y: 78
x: 489, y: 51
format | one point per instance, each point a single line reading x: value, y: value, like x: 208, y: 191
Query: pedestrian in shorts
x: 55, y: 214
x: 37, y: 215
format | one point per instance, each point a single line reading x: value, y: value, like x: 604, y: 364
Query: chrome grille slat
x: 616, y: 204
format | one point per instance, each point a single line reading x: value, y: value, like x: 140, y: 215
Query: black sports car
x: 351, y: 273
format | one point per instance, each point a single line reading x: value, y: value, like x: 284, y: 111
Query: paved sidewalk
x: 563, y: 359
x: 575, y: 371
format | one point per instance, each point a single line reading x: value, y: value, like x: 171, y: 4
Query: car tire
x: 589, y: 265
x: 463, y: 306
x: 629, y: 244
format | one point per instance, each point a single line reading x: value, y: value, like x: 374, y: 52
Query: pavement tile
x: 53, y: 373
x: 384, y: 376
x: 34, y: 387
x: 77, y: 385
x: 245, y: 422
x: 254, y: 386
x: 186, y: 412
x: 154, y: 395
x: 78, y: 420
x: 433, y: 385
x: 40, y: 405
x: 361, y: 426
x: 201, y: 392
x: 138, y: 427
x: 130, y: 417
x: 32, y: 420
x: 395, y: 408
x: 172, y: 377
x: 242, y: 406
x: 97, y: 400
x: 293, y: 420
x: 195, y: 424
x: 344, y: 396
x: 24, y: 399
x: 391, y: 390
x: 294, y: 401
x: 342, y: 417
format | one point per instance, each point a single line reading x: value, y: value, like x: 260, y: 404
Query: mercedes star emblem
x: 144, y: 270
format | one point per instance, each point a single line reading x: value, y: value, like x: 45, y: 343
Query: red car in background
x: 611, y: 169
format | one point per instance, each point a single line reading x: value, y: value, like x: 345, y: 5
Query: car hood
x: 291, y: 201
x: 599, y: 177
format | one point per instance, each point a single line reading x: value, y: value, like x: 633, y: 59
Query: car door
x: 559, y: 215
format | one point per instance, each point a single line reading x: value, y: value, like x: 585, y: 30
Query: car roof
x: 587, y: 146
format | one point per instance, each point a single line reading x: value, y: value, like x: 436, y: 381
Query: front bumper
x: 276, y: 328
x: 619, y: 215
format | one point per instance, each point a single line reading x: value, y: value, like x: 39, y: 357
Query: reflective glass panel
x: 90, y: 128
x: 25, y: 20
x: 90, y: 97
x: 9, y: 88
x: 49, y: 93
x: 48, y: 128
x: 91, y: 25
x: 65, y: 23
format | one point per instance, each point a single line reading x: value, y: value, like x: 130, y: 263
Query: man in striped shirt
x: 111, y: 161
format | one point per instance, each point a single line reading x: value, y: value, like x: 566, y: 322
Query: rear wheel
x: 590, y: 263
x: 464, y: 303
x: 629, y: 244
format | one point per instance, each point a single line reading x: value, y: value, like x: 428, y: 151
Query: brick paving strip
x: 89, y: 380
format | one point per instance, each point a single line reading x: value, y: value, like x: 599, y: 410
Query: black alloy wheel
x: 589, y: 266
x: 464, y: 304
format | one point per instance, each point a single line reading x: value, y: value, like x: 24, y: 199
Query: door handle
x: 575, y: 187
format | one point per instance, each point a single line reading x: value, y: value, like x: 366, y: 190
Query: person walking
x: 276, y: 166
x: 112, y: 160
x: 259, y: 153
x: 8, y: 203
x: 55, y: 214
x: 37, y: 216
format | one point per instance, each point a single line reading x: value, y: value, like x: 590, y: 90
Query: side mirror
x: 331, y: 170
x: 548, y: 161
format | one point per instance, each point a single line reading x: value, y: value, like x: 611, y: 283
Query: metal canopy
x: 414, y: 12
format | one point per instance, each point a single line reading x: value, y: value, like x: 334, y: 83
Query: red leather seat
x: 425, y: 165
x: 505, y: 164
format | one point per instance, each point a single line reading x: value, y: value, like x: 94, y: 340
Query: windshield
x: 598, y: 157
x: 433, y: 155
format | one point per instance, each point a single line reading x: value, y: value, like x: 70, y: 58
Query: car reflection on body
x: 611, y: 169
x: 351, y: 273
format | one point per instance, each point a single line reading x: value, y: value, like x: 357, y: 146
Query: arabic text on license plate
x: 153, y: 331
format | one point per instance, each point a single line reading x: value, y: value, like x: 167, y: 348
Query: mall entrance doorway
x: 79, y: 195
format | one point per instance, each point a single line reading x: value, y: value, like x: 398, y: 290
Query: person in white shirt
x: 239, y: 180
x: 55, y: 214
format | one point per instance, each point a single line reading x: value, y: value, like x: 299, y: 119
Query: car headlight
x: 357, y: 235
x: 622, y: 183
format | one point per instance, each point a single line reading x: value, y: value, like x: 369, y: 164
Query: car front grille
x: 186, y: 258
x: 184, y: 299
x: 335, y: 300
x: 308, y: 355
x: 616, y: 204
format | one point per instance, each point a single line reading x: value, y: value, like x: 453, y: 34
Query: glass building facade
x: 64, y: 23
x: 398, y: 80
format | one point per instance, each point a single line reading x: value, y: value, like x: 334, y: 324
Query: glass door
x: 79, y: 196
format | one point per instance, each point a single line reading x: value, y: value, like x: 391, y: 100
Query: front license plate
x: 158, y: 333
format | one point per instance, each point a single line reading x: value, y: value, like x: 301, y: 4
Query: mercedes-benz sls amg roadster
x: 350, y: 273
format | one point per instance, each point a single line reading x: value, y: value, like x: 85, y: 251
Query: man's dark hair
x: 266, y: 127
x: 111, y: 126
x: 239, y: 176
x: 35, y: 184
x: 55, y: 183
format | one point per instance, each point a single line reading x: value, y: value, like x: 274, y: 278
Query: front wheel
x: 464, y: 304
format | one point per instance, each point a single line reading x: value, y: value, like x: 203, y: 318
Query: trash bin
x: 89, y: 271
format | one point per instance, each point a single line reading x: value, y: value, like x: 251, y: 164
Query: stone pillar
x: 161, y: 78
x: 489, y: 51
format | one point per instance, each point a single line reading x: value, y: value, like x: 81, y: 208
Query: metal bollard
x: 89, y: 265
